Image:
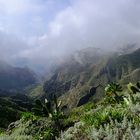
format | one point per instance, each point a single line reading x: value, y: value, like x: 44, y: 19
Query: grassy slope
x: 103, y: 120
x: 9, y: 112
x: 11, y: 108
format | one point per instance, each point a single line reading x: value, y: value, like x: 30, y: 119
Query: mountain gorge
x: 85, y: 70
x: 79, y: 79
x: 79, y: 86
x: 78, y: 101
x: 69, y: 70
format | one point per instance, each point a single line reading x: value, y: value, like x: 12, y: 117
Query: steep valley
x: 79, y: 87
x: 74, y: 79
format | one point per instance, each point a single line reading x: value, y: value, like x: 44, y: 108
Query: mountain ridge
x: 15, y: 78
x: 73, y: 80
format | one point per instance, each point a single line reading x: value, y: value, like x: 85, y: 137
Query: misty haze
x: 69, y: 70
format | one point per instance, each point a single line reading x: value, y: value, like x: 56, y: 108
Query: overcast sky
x: 39, y: 31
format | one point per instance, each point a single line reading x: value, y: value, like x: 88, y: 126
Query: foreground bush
x: 116, y: 117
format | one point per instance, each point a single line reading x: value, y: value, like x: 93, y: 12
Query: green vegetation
x: 112, y: 120
x: 9, y: 112
x: 109, y: 120
x: 51, y: 110
x: 12, y: 107
x: 112, y: 113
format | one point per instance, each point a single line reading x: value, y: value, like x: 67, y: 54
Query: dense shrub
x: 110, y: 119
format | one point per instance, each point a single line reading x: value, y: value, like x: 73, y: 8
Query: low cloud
x: 77, y: 24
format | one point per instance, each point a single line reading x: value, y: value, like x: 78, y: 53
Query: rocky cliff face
x: 74, y: 79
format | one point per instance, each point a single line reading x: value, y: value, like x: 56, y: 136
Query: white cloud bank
x: 105, y: 24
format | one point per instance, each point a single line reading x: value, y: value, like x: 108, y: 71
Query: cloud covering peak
x: 53, y: 29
